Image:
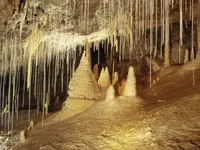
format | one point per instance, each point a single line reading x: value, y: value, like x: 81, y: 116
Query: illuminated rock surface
x: 83, y: 83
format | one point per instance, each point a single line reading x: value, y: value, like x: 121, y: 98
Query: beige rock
x: 22, y: 136
x: 130, y: 86
x: 154, y: 82
x: 186, y: 59
x: 110, y: 94
x: 83, y: 83
x: 104, y: 79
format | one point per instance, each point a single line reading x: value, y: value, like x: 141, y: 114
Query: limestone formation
x: 110, y: 94
x: 154, y: 82
x: 22, y: 136
x: 32, y: 124
x: 83, y: 83
x: 130, y: 85
x: 186, y: 59
x: 104, y: 79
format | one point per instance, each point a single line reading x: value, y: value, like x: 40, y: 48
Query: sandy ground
x: 164, y: 117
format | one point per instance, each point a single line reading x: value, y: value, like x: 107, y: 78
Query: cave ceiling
x: 64, y: 16
x: 68, y: 23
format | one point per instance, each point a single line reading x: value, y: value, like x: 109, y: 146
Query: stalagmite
x: 83, y: 83
x: 130, y: 85
x: 154, y: 82
x: 31, y: 125
x: 186, y: 59
x: 110, y: 94
x: 104, y: 79
x: 22, y: 137
x: 46, y: 108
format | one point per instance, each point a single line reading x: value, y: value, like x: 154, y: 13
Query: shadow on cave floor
x: 168, y: 119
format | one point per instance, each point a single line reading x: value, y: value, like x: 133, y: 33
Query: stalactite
x: 23, y: 16
x: 166, y: 33
x: 151, y: 9
x: 192, y: 41
x: 156, y: 33
x: 181, y: 29
x: 32, y: 42
x: 162, y: 27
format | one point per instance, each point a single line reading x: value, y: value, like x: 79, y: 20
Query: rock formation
x: 130, y: 85
x: 110, y: 94
x: 104, y: 79
x: 186, y: 59
x: 83, y: 83
x: 22, y: 136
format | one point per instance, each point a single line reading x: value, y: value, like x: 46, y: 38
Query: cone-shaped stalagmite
x: 130, y: 85
x: 110, y: 94
x: 104, y: 79
x: 22, y: 136
x: 186, y: 59
x: 83, y: 84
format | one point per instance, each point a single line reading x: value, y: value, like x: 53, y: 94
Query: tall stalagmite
x: 130, y: 85
x: 110, y: 94
x: 104, y: 79
x: 83, y: 83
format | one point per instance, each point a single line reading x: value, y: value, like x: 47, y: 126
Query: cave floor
x: 167, y: 118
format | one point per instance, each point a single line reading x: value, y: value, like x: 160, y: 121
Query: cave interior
x: 99, y: 74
